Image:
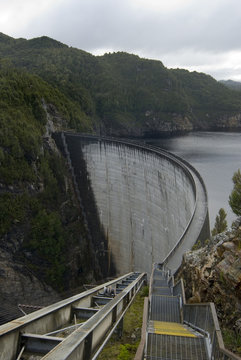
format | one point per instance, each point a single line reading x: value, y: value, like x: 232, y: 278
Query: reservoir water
x: 216, y: 155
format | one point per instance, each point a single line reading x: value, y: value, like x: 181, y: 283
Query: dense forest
x: 122, y: 94
x: 46, y: 86
x: 37, y: 208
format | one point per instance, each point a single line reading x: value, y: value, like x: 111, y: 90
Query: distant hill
x: 234, y: 85
x: 122, y: 94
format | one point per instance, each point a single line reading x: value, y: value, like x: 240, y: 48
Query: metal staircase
x: 79, y: 327
x: 168, y: 338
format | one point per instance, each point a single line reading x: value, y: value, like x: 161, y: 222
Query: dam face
x: 145, y: 200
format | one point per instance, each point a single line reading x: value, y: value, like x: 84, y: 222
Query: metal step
x: 165, y: 347
x: 159, y: 274
x: 165, y: 308
x: 161, y: 291
x: 171, y: 328
x: 159, y: 282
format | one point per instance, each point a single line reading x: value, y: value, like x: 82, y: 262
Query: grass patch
x: 232, y: 341
x: 125, y: 348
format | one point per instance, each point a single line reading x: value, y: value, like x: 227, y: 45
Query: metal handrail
x: 85, y: 341
x: 46, y: 319
x: 203, y: 317
x: 178, y: 289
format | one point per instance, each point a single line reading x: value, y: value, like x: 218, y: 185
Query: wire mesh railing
x: 203, y: 318
x: 178, y: 289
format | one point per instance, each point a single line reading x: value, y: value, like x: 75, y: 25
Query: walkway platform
x: 168, y: 338
x: 174, y: 330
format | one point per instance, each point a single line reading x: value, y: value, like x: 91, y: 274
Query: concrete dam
x: 151, y: 205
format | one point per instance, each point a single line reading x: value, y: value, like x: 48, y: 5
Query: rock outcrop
x: 213, y: 274
x: 18, y: 284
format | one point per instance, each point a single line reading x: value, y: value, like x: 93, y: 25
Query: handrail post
x: 88, y: 346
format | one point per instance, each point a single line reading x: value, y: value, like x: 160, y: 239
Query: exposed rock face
x: 213, y: 273
x: 229, y: 121
x: 156, y: 125
x: 152, y: 124
x: 18, y: 285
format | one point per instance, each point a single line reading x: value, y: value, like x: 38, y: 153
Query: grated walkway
x: 165, y: 308
x: 166, y: 347
x: 167, y: 337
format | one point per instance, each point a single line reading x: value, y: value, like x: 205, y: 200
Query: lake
x: 216, y: 155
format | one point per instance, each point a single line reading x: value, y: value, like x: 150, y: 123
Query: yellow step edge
x: 171, y: 328
x: 167, y: 296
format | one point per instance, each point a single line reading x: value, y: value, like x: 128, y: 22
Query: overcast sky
x: 201, y: 35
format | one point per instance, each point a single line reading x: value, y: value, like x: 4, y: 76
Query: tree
x: 220, y: 222
x: 235, y: 197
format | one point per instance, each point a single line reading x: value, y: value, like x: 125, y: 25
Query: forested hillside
x: 123, y: 94
x: 43, y: 239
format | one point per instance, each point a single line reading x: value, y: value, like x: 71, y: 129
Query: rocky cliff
x: 18, y: 284
x: 213, y: 274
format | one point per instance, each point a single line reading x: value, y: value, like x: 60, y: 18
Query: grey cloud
x: 112, y: 23
x: 210, y: 27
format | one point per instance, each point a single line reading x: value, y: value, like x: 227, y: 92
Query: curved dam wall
x: 146, y: 201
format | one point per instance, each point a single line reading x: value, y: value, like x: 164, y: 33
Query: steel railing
x: 178, y: 289
x: 36, y: 329
x: 203, y: 318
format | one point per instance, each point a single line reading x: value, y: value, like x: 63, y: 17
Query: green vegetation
x: 124, y: 348
x: 197, y: 245
x: 47, y: 238
x: 13, y: 210
x: 205, y: 94
x: 232, y: 340
x: 235, y: 197
x: 33, y: 176
x: 220, y: 222
x: 121, y: 93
